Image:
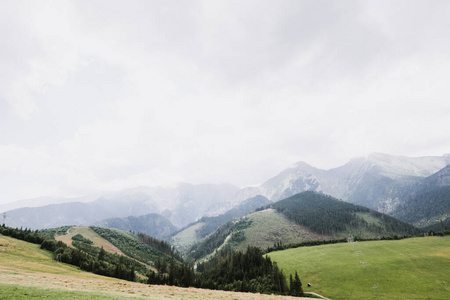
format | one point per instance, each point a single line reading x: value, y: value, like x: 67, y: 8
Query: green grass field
x: 416, y: 268
x: 27, y: 272
x: 14, y: 291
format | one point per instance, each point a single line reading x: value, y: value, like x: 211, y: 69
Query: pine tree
x: 291, y: 285
x: 101, y: 254
x: 297, y: 289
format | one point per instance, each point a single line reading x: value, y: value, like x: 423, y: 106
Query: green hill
x: 139, y: 251
x: 304, y: 217
x: 414, y: 268
x: 195, y: 232
x: 327, y: 215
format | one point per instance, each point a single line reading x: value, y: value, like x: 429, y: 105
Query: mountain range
x: 371, y: 181
x: 181, y: 204
x: 394, y: 185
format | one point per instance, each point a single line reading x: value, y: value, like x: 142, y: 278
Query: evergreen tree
x: 296, y: 288
x: 101, y: 254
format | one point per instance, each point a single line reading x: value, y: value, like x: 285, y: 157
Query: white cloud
x: 214, y: 91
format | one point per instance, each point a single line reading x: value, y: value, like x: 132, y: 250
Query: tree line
x: 248, y: 271
x: 159, y: 245
x: 84, y: 256
x: 242, y: 272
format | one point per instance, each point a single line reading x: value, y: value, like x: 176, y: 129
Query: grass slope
x: 261, y: 229
x: 416, y: 268
x: 26, y: 272
x: 304, y: 217
x: 195, y: 232
x: 130, y: 245
x: 88, y: 233
x: 268, y: 226
x: 187, y: 237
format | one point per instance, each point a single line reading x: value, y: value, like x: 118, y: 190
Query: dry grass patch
x: 91, y: 235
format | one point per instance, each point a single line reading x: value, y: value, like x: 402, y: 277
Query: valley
x: 160, y: 235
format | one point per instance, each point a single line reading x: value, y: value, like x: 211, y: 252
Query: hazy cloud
x: 100, y: 95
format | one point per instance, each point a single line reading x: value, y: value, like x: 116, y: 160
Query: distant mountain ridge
x: 153, y: 225
x: 181, y: 204
x: 372, y: 181
x: 379, y: 181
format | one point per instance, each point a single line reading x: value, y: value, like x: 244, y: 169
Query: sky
x: 107, y: 95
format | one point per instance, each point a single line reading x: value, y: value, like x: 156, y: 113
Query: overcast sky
x: 105, y: 95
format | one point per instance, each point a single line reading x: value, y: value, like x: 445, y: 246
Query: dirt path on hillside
x: 315, y: 294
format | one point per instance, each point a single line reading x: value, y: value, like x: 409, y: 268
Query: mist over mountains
x: 180, y: 204
x: 382, y: 182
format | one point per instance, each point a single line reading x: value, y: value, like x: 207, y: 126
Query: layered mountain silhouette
x: 397, y: 185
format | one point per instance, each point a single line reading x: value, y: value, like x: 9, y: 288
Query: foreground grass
x: 14, y: 291
x: 29, y: 272
x: 416, y: 268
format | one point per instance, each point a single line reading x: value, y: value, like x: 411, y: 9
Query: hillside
x: 415, y: 268
x: 327, y: 215
x: 307, y: 216
x: 153, y: 225
x: 261, y: 229
x: 27, y: 271
x: 426, y: 207
x: 428, y: 202
x: 66, y: 234
x: 113, y: 241
x: 194, y: 232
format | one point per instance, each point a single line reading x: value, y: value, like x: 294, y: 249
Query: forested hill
x: 426, y: 208
x: 428, y: 202
x: 197, y: 231
x: 300, y: 219
x: 249, y: 205
x: 327, y: 215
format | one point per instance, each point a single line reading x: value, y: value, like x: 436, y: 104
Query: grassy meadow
x: 27, y: 272
x: 416, y: 268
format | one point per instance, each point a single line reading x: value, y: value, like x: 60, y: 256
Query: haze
x: 105, y: 95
